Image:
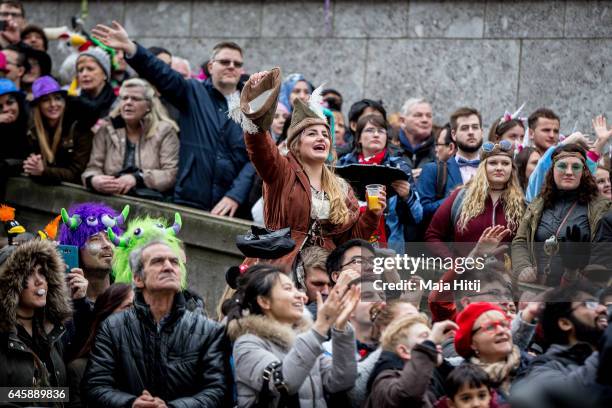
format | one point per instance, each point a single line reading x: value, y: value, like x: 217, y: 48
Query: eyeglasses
x: 7, y: 14
x: 590, y: 304
x: 373, y: 131
x: 503, y: 145
x: 228, y: 62
x: 562, y: 167
x: 491, y: 326
x: 359, y: 260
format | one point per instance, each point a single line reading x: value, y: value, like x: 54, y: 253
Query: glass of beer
x: 373, y: 191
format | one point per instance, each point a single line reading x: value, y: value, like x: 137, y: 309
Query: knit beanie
x: 465, y: 320
x: 101, y: 57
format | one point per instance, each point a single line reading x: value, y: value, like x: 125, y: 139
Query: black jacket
x: 183, y: 361
x: 35, y: 361
x: 213, y: 160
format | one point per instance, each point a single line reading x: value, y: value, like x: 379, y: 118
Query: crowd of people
x: 100, y: 302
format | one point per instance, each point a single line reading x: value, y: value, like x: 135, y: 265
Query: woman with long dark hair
x: 569, y: 198
x: 59, y: 149
x: 273, y: 335
x: 117, y: 298
x: 526, y: 161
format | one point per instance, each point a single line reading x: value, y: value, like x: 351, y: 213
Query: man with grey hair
x: 215, y: 173
x: 417, y: 141
x: 157, y: 353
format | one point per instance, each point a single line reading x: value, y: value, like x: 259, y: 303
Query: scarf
x: 379, y: 236
x: 502, y: 372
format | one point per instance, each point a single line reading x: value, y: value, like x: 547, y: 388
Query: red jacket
x: 442, y: 229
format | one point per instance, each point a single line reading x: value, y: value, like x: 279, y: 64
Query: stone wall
x: 209, y: 240
x: 493, y: 55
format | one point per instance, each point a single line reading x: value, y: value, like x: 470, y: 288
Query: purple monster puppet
x: 83, y: 220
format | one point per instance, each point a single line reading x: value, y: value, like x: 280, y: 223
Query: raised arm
x: 167, y: 81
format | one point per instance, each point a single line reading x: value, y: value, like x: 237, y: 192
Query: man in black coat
x: 158, y: 353
x: 215, y: 173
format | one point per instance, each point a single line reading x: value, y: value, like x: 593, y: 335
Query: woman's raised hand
x: 337, y: 308
x: 257, y: 77
x: 114, y: 37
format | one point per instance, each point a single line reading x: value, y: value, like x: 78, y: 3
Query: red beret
x: 465, y: 320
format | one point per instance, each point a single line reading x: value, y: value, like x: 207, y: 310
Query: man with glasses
x: 466, y: 133
x: 215, y: 173
x: 12, y: 22
x: 573, y: 322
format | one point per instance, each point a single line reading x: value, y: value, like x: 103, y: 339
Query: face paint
x: 93, y: 248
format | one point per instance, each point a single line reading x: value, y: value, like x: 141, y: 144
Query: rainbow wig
x: 140, y: 232
x: 83, y: 220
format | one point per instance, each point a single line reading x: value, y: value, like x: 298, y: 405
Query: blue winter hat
x: 7, y: 86
x: 288, y: 85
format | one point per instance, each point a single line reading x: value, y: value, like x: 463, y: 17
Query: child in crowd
x: 468, y: 386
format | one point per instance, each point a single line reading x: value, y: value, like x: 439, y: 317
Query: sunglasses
x: 228, y: 62
x: 503, y: 145
x: 562, y: 167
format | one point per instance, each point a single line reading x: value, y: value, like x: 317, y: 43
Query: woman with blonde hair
x: 137, y: 149
x: 59, y: 147
x: 300, y: 191
x: 492, y: 197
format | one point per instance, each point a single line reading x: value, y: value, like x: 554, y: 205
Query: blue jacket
x: 402, y: 215
x: 213, y: 161
x: 427, y: 185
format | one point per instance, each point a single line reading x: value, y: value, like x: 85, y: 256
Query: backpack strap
x: 441, y: 177
x: 456, y: 208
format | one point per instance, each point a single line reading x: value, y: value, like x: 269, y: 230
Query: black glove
x: 575, y: 248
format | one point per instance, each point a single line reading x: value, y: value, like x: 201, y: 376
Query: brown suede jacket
x: 287, y: 199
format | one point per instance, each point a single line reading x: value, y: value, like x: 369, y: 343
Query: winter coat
x: 156, y: 155
x: 15, y: 147
x: 19, y: 365
x: 428, y: 181
x: 87, y: 110
x: 523, y: 248
x: 418, y: 157
x: 395, y: 383
x: 260, y: 341
x: 287, y: 199
x: 559, y: 367
x: 443, y: 228
x: 181, y: 360
x: 71, y: 156
x: 76, y: 369
x: 213, y: 161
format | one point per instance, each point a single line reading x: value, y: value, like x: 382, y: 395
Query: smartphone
x: 70, y: 253
x: 3, y: 25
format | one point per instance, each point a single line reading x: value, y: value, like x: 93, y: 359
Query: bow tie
x: 464, y: 162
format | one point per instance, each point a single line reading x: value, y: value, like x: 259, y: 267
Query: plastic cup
x: 373, y: 191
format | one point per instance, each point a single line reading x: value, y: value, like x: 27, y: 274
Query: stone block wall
x: 493, y: 55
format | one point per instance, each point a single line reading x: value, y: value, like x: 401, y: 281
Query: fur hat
x: 14, y: 273
x: 101, y: 57
x: 81, y: 221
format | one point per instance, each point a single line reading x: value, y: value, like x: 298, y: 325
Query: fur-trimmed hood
x: 14, y: 273
x: 268, y: 329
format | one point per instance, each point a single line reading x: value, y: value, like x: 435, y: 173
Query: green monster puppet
x: 140, y: 232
